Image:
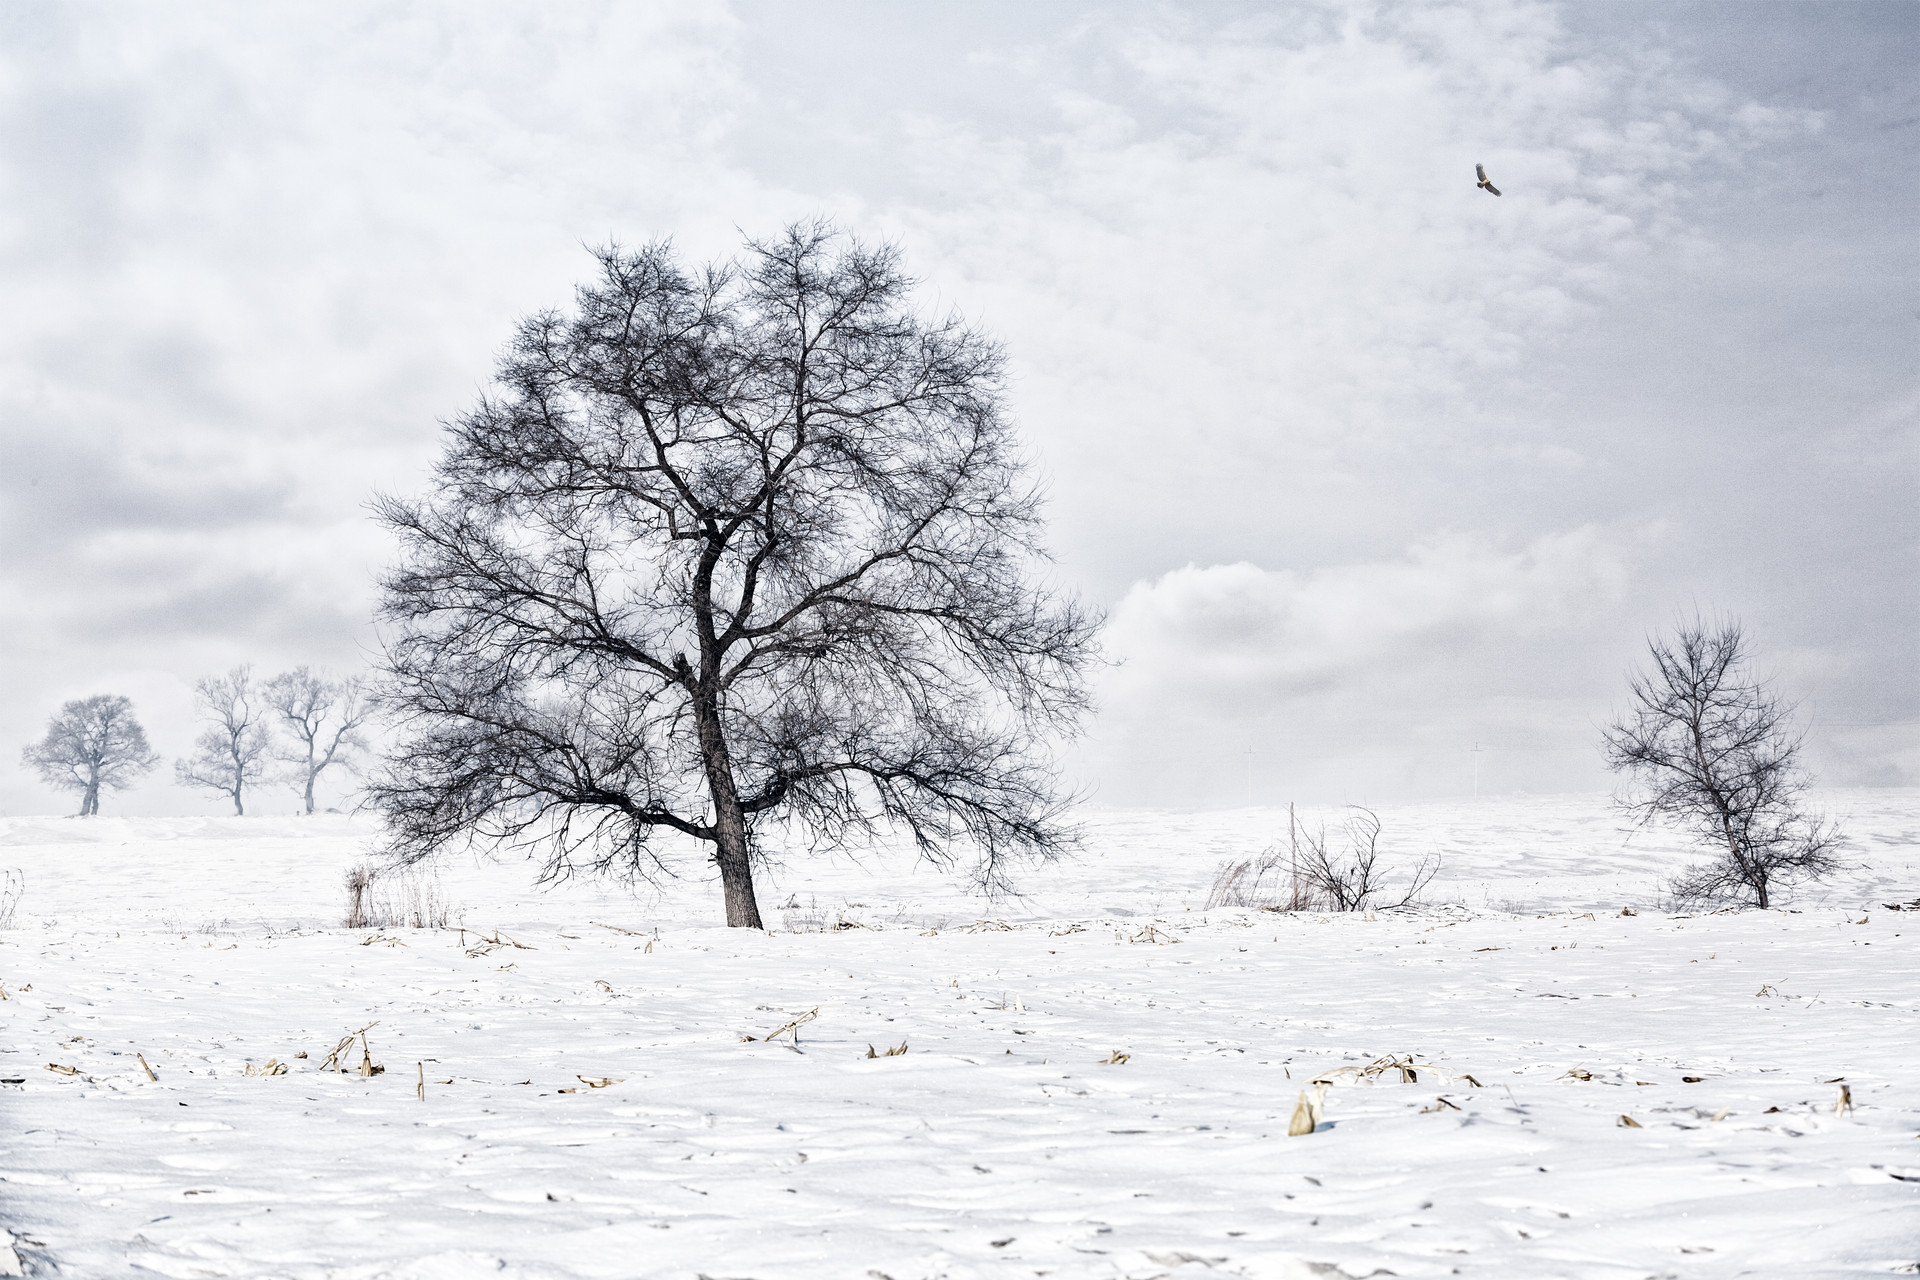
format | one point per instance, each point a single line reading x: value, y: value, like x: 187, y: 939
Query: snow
x: 1001, y: 1142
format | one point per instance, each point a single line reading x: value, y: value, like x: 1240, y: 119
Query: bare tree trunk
x: 238, y: 810
x: 729, y: 823
x: 736, y: 868
x: 1736, y: 856
x: 90, y: 801
x: 310, y: 782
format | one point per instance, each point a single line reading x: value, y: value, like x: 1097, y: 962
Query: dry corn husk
x: 1307, y: 1111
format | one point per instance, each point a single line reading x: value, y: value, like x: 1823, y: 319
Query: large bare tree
x: 92, y: 745
x: 1709, y: 748
x: 233, y: 750
x: 744, y: 543
x: 322, y: 719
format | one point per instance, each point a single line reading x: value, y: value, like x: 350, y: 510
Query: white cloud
x: 1360, y: 680
x: 1229, y: 633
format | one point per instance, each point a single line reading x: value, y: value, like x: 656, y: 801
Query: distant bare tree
x: 232, y: 751
x: 93, y: 744
x: 729, y: 545
x: 322, y: 718
x: 1708, y: 747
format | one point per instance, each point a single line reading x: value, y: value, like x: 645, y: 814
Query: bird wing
x: 1490, y: 187
x: 1480, y: 172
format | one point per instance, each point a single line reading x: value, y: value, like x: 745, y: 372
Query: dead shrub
x: 1313, y: 874
x: 397, y: 898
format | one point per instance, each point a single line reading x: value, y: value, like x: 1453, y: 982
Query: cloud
x: 1229, y: 633
x: 1237, y: 682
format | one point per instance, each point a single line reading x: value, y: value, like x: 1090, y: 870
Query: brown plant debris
x: 1307, y: 1111
x: 894, y: 1052
x: 1628, y: 1122
x: 335, y: 1062
x: 790, y: 1029
x: 491, y: 942
x: 271, y: 1067
x: 1115, y: 1058
x: 1409, y: 1069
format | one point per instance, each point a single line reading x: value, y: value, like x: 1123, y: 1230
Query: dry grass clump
x: 13, y: 886
x: 396, y: 898
x: 812, y: 919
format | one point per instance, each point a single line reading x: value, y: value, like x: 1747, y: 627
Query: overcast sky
x: 1368, y: 467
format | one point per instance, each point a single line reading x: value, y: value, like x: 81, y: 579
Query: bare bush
x: 1313, y: 874
x: 1356, y: 879
x: 396, y: 898
x: 359, y: 898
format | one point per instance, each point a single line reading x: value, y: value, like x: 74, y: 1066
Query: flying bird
x: 1481, y: 173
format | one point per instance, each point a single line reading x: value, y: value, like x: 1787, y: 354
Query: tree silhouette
x: 92, y: 744
x: 1709, y: 748
x: 232, y: 751
x: 730, y: 545
x: 322, y: 719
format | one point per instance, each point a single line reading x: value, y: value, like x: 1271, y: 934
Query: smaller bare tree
x: 1708, y: 747
x: 233, y: 750
x: 322, y: 718
x: 92, y: 745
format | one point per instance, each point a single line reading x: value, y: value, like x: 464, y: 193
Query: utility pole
x: 1249, y: 775
x: 1476, y: 749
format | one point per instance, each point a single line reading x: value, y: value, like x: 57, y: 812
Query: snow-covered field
x: 1097, y: 1078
